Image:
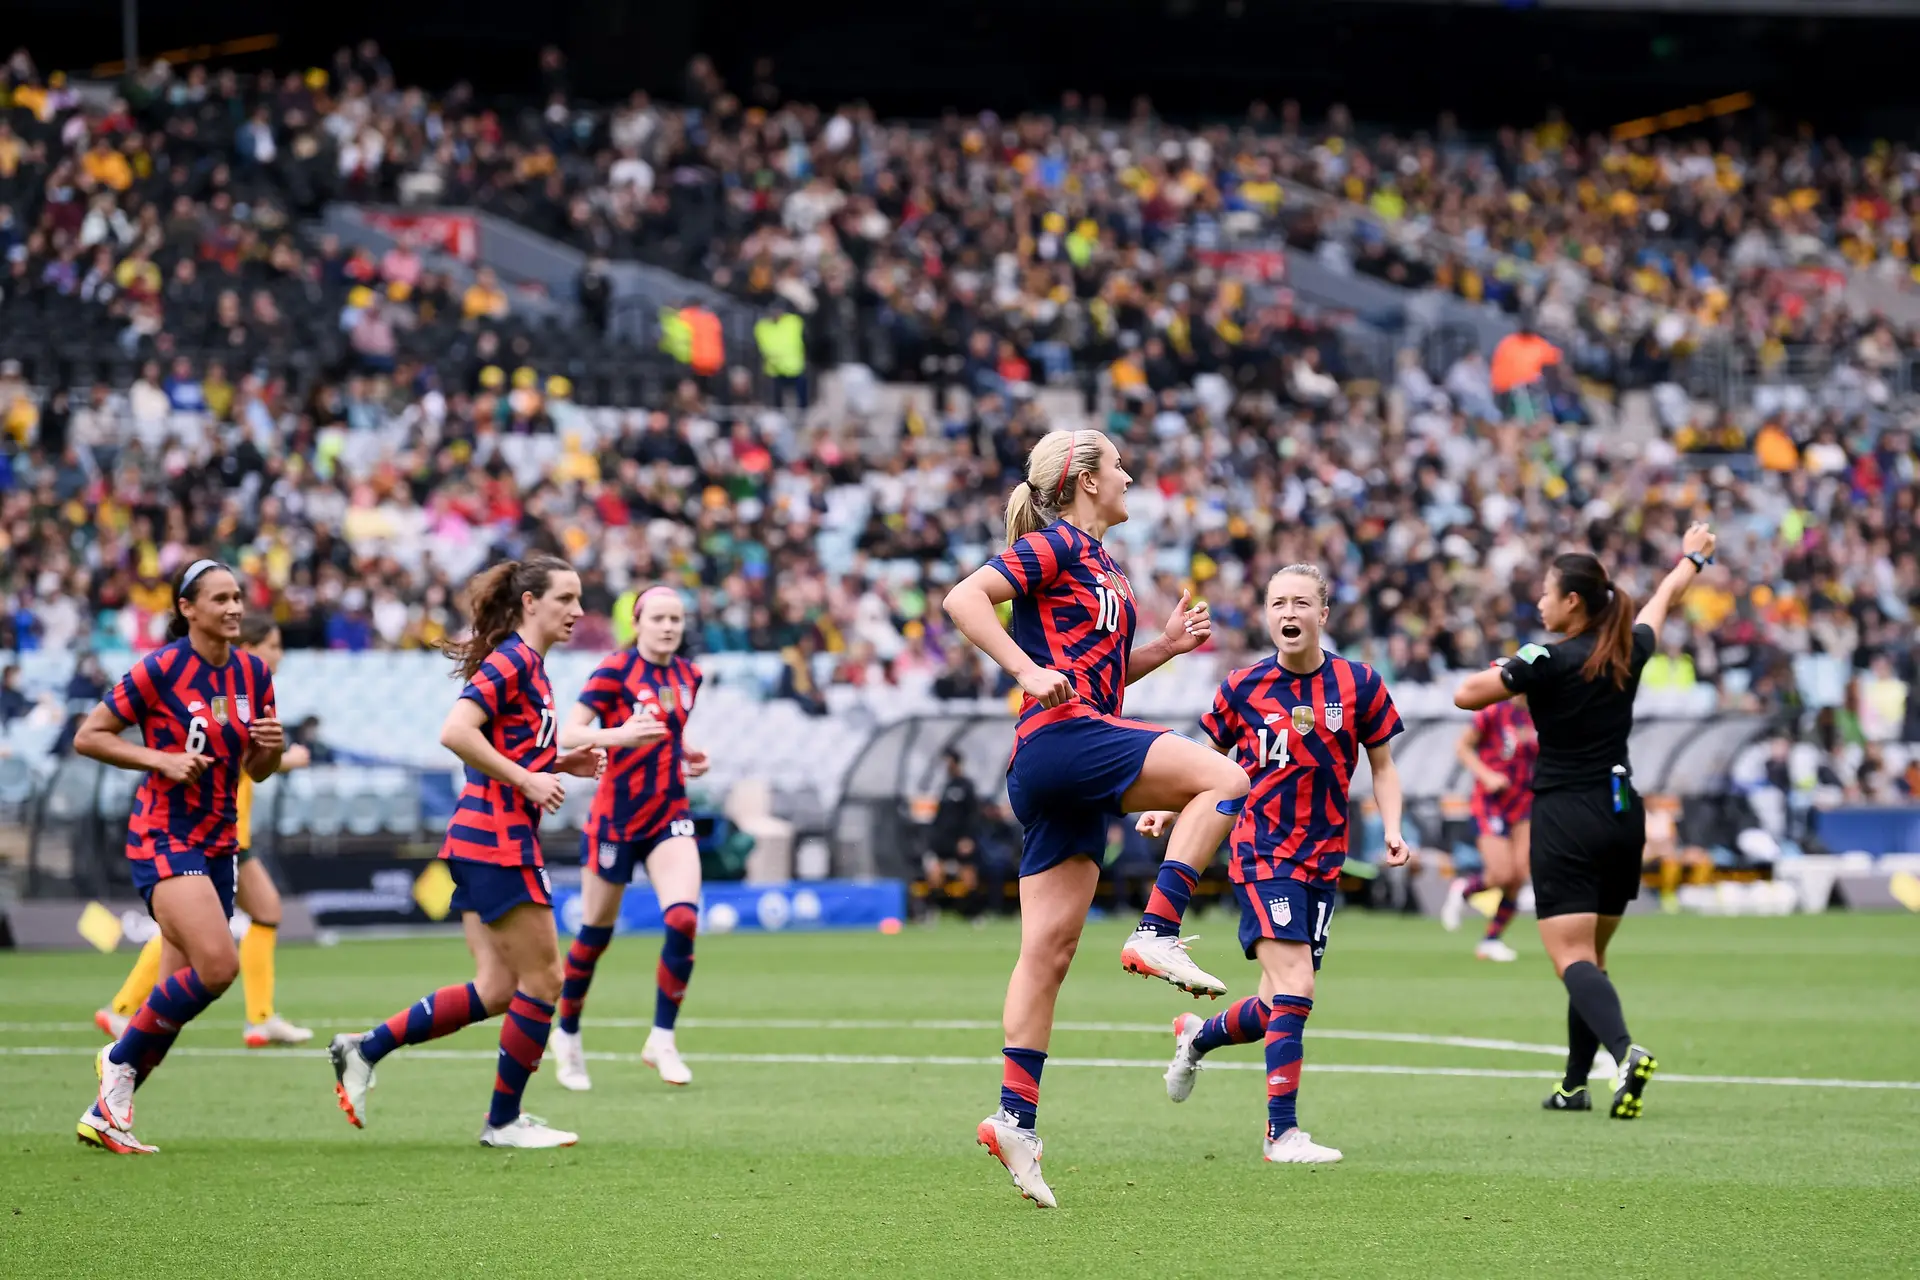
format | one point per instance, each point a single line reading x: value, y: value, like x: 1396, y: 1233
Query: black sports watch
x: 1699, y: 561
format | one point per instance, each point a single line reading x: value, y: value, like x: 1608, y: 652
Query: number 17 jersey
x: 494, y: 822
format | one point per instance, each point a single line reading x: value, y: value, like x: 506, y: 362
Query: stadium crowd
x: 357, y: 434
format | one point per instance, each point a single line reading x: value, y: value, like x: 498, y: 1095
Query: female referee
x: 641, y: 697
x: 502, y: 727
x: 1589, y: 828
x: 206, y: 713
x: 1076, y: 764
x: 255, y: 893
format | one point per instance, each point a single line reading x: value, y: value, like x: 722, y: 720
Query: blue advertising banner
x: 725, y: 908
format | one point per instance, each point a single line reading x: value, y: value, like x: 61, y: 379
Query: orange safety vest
x: 709, y: 347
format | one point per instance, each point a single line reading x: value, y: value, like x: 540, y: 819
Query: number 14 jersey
x: 1299, y: 738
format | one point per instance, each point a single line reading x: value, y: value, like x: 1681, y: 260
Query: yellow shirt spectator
x: 484, y: 298
x: 108, y: 167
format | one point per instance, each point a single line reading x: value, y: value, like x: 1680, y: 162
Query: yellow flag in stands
x: 1905, y: 886
x: 1486, y: 902
x: 100, y: 927
x: 433, y: 890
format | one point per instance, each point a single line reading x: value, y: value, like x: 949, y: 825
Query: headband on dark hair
x: 195, y: 570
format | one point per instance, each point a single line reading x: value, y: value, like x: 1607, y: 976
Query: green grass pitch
x: 816, y: 1167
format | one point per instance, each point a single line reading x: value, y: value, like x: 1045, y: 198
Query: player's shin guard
x: 588, y: 946
x: 1502, y: 916
x: 158, y: 1023
x: 1244, y: 1023
x: 676, y: 963
x: 1285, y: 1027
x: 1020, y: 1084
x: 1167, y: 904
x: 440, y: 1013
x: 256, y: 970
x: 523, y: 1039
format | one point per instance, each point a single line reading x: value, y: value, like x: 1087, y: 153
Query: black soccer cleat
x: 1568, y: 1100
x: 1634, y: 1074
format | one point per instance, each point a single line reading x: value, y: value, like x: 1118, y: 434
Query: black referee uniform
x: 1589, y: 832
x: 1589, y: 827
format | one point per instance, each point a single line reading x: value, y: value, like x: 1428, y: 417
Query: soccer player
x: 1077, y: 765
x: 1498, y: 748
x: 206, y: 715
x: 255, y: 893
x: 641, y: 698
x: 1590, y: 825
x: 503, y: 728
x: 1297, y: 722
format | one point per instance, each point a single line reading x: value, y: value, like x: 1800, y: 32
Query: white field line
x: 903, y: 1060
x: 881, y: 1024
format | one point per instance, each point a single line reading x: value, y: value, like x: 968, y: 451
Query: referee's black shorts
x: 1584, y: 856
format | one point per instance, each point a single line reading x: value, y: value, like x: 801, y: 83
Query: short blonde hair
x: 1303, y: 571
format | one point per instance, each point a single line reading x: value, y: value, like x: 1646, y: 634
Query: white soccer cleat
x: 1019, y: 1150
x: 275, y: 1030
x: 95, y: 1130
x: 1455, y: 907
x: 663, y: 1055
x: 1164, y: 956
x: 112, y: 1025
x: 352, y: 1077
x: 117, y: 1081
x: 1186, y: 1063
x: 569, y: 1061
x: 1495, y: 949
x: 1296, y: 1146
x: 526, y: 1132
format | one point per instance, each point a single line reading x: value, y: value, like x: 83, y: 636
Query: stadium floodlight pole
x: 130, y: 34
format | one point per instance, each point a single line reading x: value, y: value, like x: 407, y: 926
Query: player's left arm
x: 266, y: 738
x: 1188, y: 627
x: 1386, y: 794
x: 1379, y: 725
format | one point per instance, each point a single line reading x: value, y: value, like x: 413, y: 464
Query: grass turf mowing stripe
x: 918, y: 1024
x: 913, y: 1060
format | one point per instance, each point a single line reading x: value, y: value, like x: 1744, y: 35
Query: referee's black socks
x: 1595, y: 1000
x: 1582, y: 1044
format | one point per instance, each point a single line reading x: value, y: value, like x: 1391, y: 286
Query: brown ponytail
x: 1609, y: 612
x: 493, y: 603
x: 1053, y: 471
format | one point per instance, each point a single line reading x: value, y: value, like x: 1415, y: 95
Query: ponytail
x: 1024, y: 515
x: 1609, y: 610
x: 493, y: 604
x: 1053, y: 471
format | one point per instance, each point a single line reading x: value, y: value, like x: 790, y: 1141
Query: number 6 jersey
x: 494, y: 822
x: 644, y: 788
x: 1299, y: 738
x: 183, y: 704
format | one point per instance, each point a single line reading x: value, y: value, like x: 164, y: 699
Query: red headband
x: 640, y: 601
x: 1060, y: 490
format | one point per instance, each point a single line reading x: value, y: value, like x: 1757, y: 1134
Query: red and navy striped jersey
x: 181, y: 703
x: 1073, y: 611
x: 1508, y: 745
x: 493, y: 822
x: 644, y: 787
x: 1299, y: 738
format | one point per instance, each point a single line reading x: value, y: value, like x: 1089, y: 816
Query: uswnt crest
x: 1336, y: 716
x: 242, y: 710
